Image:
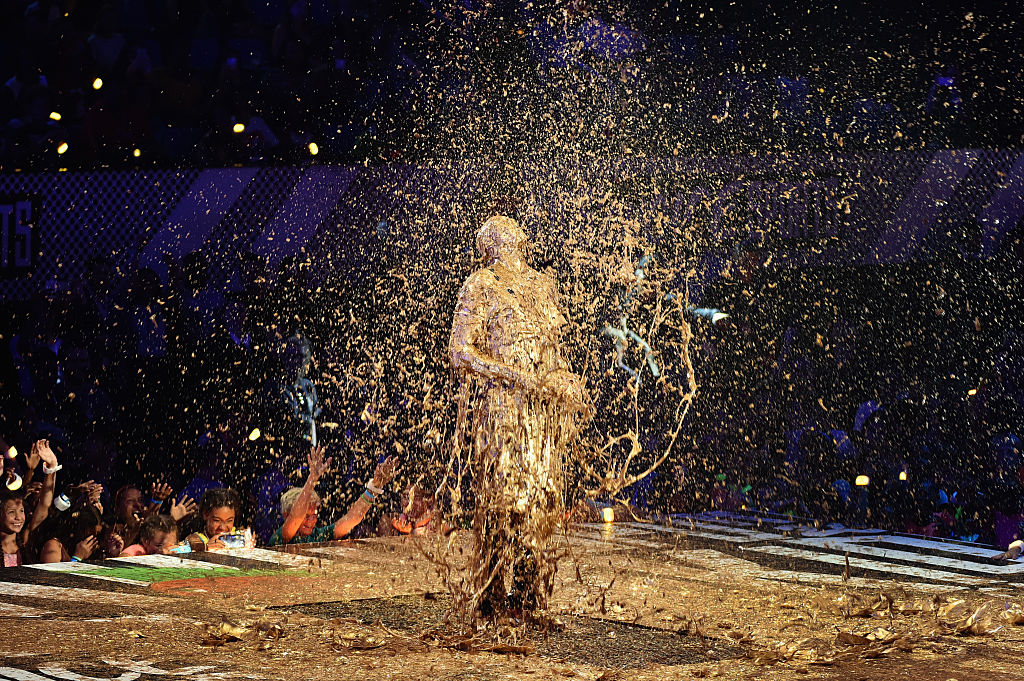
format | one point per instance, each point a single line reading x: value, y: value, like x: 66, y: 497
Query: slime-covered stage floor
x: 712, y: 596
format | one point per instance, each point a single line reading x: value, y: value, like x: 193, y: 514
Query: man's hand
x: 317, y: 465
x: 566, y: 386
x: 85, y: 548
x: 183, y: 508
x: 159, y: 492
x: 385, y: 472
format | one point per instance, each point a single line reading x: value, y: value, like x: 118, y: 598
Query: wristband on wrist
x: 367, y: 496
x: 76, y: 559
x: 156, y: 502
x: 373, y: 488
x: 51, y: 471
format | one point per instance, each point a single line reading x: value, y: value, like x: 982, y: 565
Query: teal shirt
x: 319, y: 534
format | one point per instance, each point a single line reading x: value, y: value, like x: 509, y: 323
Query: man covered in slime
x: 518, y: 408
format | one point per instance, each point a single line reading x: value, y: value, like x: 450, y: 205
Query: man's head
x: 288, y: 500
x: 158, y: 534
x: 499, y: 235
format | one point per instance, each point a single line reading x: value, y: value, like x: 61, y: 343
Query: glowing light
x: 972, y: 392
x: 97, y: 83
x: 136, y: 153
x: 862, y: 481
x: 903, y: 475
x: 62, y: 147
x: 313, y: 148
x: 14, y: 484
x: 12, y: 452
x: 54, y: 116
x: 608, y: 514
x: 254, y: 435
x: 238, y: 127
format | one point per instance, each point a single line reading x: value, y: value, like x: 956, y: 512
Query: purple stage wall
x: 798, y: 210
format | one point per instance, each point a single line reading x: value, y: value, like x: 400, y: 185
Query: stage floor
x: 714, y: 595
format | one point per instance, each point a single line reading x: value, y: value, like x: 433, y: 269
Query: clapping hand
x: 317, y: 465
x: 185, y: 507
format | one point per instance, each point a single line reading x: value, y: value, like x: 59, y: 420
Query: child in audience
x: 16, y: 526
x: 217, y: 510
x: 158, y: 534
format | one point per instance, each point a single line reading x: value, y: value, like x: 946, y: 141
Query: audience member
x: 158, y: 534
x: 300, y: 506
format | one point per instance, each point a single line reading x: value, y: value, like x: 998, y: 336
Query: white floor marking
x: 918, y: 558
x: 722, y: 562
x: 64, y: 594
x: 266, y: 555
x: 876, y: 566
x: 15, y: 610
x: 157, y: 560
x: 21, y: 675
x: 949, y: 547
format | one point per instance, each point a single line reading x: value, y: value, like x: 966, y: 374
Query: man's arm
x: 317, y: 467
x: 468, y: 329
x: 381, y: 476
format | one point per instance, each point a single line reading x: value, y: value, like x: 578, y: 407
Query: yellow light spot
x: 862, y: 481
x: 607, y: 514
x: 972, y: 392
x: 12, y: 452
x: 136, y: 153
x: 238, y: 127
x: 903, y: 475
x: 313, y: 148
x: 254, y: 435
x: 54, y: 116
x: 62, y: 147
x: 97, y: 83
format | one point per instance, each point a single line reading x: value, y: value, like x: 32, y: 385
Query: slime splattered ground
x: 630, y: 613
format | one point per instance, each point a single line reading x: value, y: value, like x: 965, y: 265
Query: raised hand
x: 91, y: 490
x: 317, y: 465
x: 385, y: 471
x: 85, y: 547
x: 41, y: 448
x: 32, y: 458
x: 160, y: 491
x: 183, y: 508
